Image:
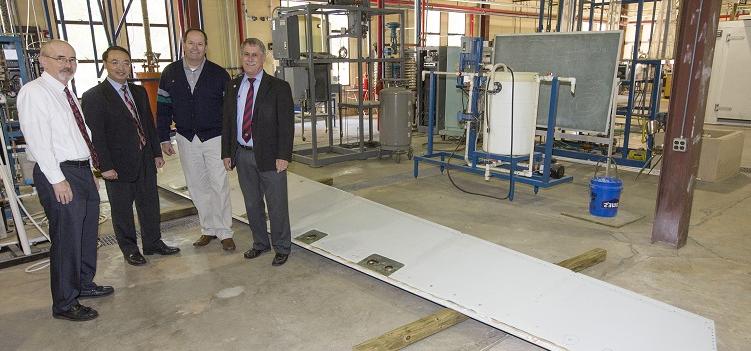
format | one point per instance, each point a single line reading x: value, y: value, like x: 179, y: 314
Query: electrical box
x: 358, y: 24
x: 285, y: 34
x: 297, y: 77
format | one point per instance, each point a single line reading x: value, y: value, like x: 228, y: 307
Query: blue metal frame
x: 537, y: 181
x: 654, y: 106
x: 12, y: 129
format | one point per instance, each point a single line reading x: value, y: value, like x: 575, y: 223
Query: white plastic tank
x: 497, y: 133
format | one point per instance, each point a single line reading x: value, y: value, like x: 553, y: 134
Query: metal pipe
x: 47, y: 17
x: 632, y: 78
x: 93, y: 39
x: 151, y: 64
x: 380, y: 45
x: 240, y: 20
x: 541, y: 17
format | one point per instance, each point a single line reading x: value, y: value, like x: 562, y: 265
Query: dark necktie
x: 134, y: 114
x: 82, y: 128
x: 248, y: 113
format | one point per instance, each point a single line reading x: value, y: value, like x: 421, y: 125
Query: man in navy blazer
x: 123, y: 134
x: 257, y: 138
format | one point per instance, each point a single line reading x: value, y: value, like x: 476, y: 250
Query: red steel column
x: 693, y: 66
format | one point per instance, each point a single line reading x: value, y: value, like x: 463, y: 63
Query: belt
x: 245, y: 147
x: 84, y: 163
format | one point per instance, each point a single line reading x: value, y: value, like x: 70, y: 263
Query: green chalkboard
x: 590, y: 57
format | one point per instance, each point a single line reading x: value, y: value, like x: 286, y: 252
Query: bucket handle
x: 597, y: 166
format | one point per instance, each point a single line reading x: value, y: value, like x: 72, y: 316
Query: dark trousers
x: 257, y: 186
x: 73, y: 229
x: 142, y: 191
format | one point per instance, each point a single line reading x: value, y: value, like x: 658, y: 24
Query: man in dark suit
x: 257, y: 138
x: 125, y: 139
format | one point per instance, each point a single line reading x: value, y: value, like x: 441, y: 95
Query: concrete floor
x: 206, y: 299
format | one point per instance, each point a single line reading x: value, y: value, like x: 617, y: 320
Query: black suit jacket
x: 113, y: 132
x: 273, y: 121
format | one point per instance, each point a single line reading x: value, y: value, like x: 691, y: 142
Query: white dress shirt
x: 49, y: 127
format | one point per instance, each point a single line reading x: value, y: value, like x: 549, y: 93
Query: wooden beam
x: 177, y: 213
x: 585, y: 260
x: 408, y: 334
x: 327, y: 181
x: 694, y: 54
x: 445, y: 318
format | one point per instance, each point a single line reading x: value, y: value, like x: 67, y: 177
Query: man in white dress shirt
x: 58, y: 139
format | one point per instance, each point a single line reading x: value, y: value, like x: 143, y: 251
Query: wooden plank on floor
x: 445, y: 318
x: 585, y: 260
x: 177, y: 213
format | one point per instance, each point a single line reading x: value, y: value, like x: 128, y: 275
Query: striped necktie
x: 82, y: 128
x: 248, y: 113
x: 134, y: 114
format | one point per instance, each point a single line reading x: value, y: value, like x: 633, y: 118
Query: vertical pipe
x: 380, y: 47
x: 311, y: 83
x: 655, y: 102
x: 666, y: 30
x: 541, y: 18
x: 240, y: 21
x: 471, y: 25
x: 199, y: 5
x: 580, y: 15
x: 418, y: 24
x: 107, y: 29
x: 550, y: 133
x: 62, y: 20
x: 591, y: 15
x: 694, y: 55
x: 48, y: 18
x: 431, y: 112
x: 632, y: 79
x: 174, y: 47
x: 93, y: 39
x: 111, y: 18
x: 151, y: 65
x: 560, y: 16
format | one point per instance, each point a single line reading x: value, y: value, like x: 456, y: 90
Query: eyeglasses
x: 63, y: 60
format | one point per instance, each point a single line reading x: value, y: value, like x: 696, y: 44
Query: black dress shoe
x: 99, y: 291
x: 253, y: 253
x: 279, y: 259
x: 77, y: 313
x: 161, y: 248
x: 135, y: 258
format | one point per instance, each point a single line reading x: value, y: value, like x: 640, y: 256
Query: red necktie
x: 82, y: 128
x: 134, y: 114
x: 248, y: 114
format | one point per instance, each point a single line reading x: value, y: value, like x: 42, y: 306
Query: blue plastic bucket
x: 605, y: 195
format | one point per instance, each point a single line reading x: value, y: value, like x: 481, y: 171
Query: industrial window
x: 160, y: 37
x: 81, y: 24
x: 84, y: 30
x: 433, y: 28
x: 456, y: 28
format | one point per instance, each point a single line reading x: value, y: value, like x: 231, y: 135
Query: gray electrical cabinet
x: 285, y: 36
x: 297, y: 77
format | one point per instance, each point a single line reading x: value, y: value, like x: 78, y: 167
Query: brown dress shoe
x: 204, y: 240
x: 228, y: 244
